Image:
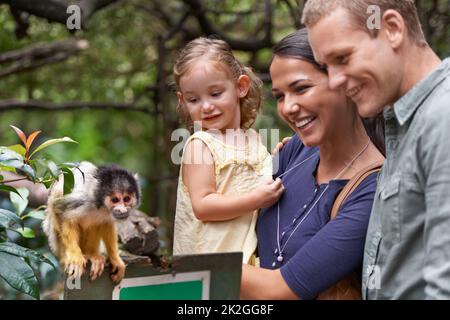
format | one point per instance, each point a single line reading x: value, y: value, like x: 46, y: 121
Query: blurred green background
x: 132, y: 47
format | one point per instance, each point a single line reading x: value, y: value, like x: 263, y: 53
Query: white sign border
x: 203, y: 276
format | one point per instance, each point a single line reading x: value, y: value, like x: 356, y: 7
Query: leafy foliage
x: 20, y: 159
x: 123, y: 63
x: 17, y: 261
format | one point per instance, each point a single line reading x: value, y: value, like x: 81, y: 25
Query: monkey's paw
x: 75, y: 266
x: 117, y: 269
x: 97, y: 265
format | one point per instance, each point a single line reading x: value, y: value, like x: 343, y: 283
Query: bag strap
x: 353, y: 184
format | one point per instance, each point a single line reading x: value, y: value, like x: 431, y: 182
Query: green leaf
x: 20, y: 166
x: 19, y: 251
x: 18, y: 148
x: 18, y: 274
x: 8, y: 154
x: 7, y: 218
x: 1, y: 178
x: 20, y: 202
x: 69, y: 180
x: 47, y: 183
x: 40, y: 215
x: 28, y: 170
x: 12, y: 163
x: 13, y: 230
x: 53, y: 169
x: 69, y: 164
x: 9, y: 189
x: 26, y: 232
x: 51, y: 142
x: 33, y: 164
x: 5, y: 168
x: 72, y: 166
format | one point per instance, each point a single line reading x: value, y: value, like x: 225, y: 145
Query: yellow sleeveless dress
x: 238, y: 170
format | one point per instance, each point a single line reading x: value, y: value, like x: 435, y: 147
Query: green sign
x: 214, y: 276
x: 180, y: 286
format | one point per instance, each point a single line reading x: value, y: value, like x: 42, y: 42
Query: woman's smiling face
x: 305, y: 102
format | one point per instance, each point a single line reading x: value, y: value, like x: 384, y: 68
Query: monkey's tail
x: 50, y: 223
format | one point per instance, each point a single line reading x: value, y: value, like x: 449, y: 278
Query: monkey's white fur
x: 84, y: 188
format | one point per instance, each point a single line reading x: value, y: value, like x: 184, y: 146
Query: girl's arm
x: 264, y: 284
x: 208, y: 205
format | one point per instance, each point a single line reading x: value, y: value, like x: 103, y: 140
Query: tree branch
x: 56, y: 10
x: 153, y: 9
x: 233, y: 13
x: 22, y: 23
x: 177, y: 27
x: 294, y: 11
x: 13, y: 180
x: 44, y: 50
x: 238, y: 44
x: 38, y: 193
x: 14, y: 104
x: 41, y: 54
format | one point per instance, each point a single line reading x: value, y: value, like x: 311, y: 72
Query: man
x: 384, y: 64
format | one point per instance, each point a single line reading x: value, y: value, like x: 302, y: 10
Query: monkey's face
x: 120, y: 204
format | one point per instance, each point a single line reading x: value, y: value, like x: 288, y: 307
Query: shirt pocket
x: 412, y: 202
x: 390, y: 215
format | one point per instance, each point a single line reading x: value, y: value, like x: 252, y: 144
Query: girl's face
x: 211, y: 96
x: 305, y: 102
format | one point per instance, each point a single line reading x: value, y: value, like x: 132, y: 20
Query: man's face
x: 366, y: 68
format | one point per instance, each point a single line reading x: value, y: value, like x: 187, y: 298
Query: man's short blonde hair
x: 315, y: 10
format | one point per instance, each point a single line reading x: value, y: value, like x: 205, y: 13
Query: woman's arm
x: 264, y: 284
x: 208, y: 205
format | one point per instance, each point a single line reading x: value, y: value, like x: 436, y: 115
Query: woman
x: 302, y: 252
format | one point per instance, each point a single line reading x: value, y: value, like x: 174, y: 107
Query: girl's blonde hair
x: 220, y: 52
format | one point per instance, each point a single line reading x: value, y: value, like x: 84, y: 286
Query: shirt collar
x: 407, y: 105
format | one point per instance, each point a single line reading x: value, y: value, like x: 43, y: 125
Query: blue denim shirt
x: 407, y: 249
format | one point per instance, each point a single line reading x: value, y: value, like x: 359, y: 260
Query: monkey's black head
x: 118, y: 190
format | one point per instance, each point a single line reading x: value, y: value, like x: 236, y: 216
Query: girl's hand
x: 269, y: 193
x: 280, y: 145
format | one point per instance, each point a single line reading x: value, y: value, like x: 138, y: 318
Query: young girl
x: 226, y: 171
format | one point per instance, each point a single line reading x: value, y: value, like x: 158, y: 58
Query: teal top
x: 407, y: 249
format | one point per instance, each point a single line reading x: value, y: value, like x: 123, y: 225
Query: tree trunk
x: 138, y: 233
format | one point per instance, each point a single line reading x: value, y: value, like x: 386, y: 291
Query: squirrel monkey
x: 76, y: 222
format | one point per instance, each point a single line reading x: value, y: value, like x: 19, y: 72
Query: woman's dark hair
x: 296, y: 45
